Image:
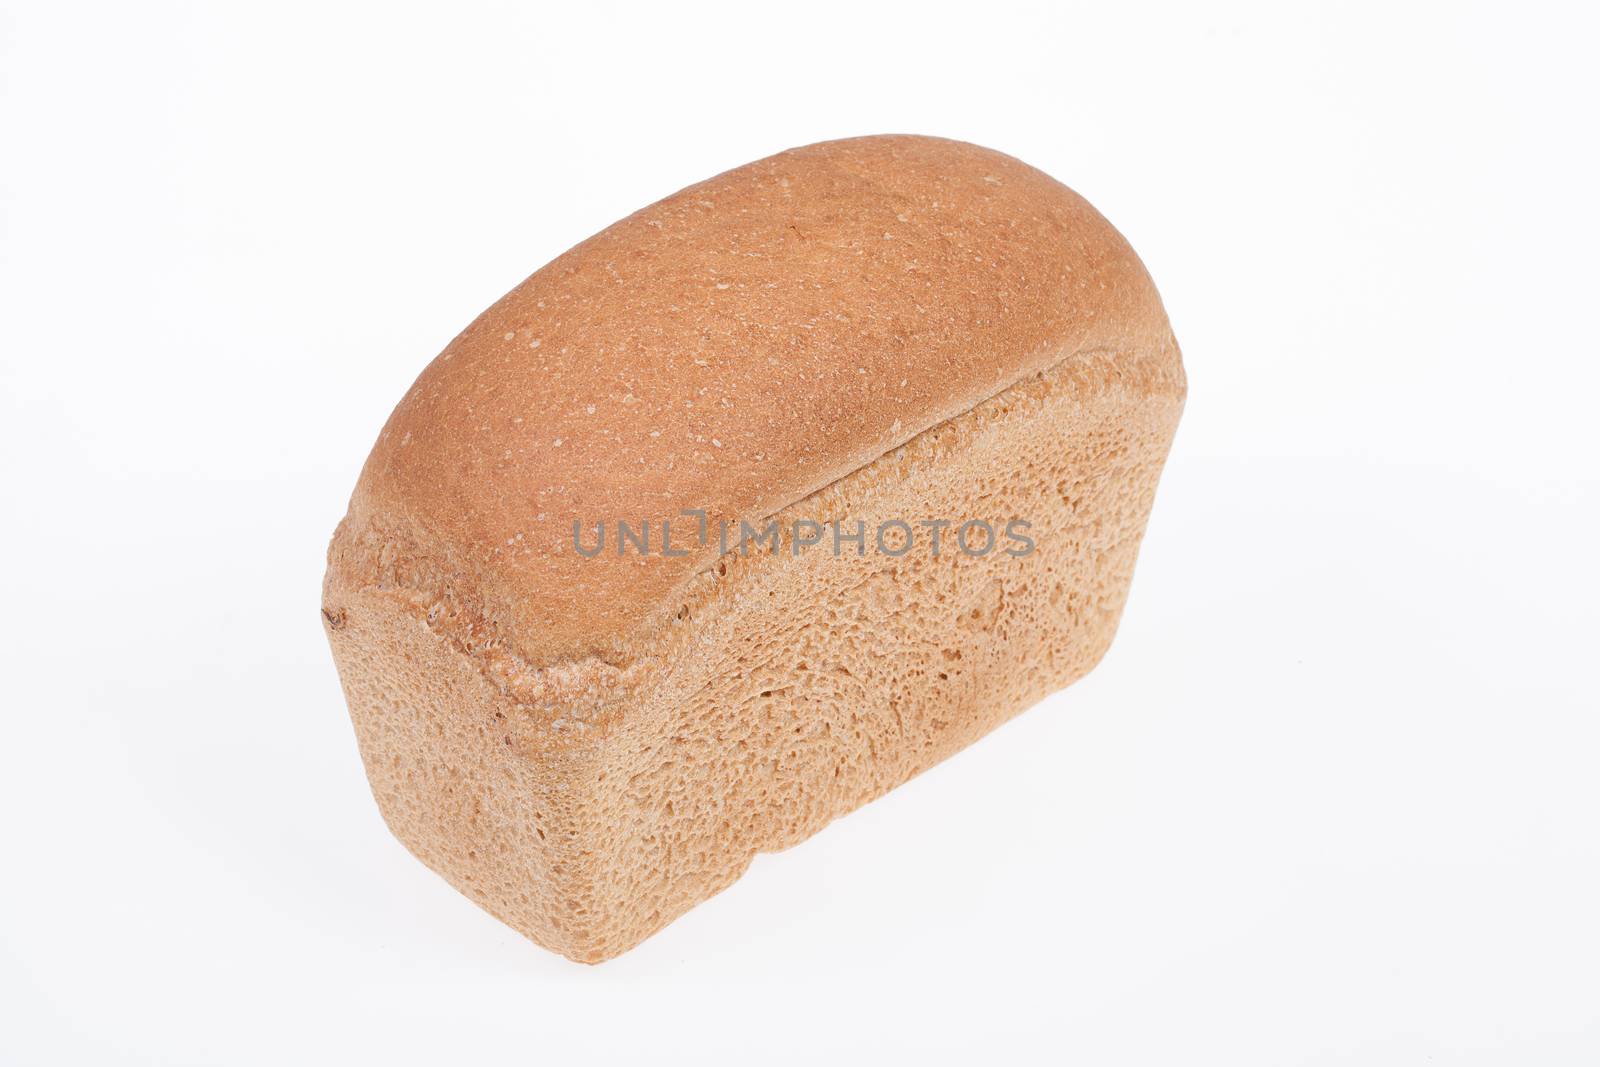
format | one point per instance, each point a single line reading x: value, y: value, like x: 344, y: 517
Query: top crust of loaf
x: 733, y: 348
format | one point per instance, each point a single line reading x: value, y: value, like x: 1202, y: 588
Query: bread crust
x: 587, y: 747
x: 732, y: 348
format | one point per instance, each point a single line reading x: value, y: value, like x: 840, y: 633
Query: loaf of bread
x: 741, y: 513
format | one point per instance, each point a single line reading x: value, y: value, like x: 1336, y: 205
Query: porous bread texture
x: 788, y: 691
x: 588, y: 748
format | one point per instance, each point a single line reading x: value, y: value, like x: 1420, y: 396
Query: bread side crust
x: 589, y: 802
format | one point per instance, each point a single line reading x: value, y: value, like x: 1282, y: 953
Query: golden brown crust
x: 734, y: 347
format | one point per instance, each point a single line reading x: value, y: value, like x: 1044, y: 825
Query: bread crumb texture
x: 886, y: 328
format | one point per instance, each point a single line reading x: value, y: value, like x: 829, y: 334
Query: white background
x: 1332, y: 797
